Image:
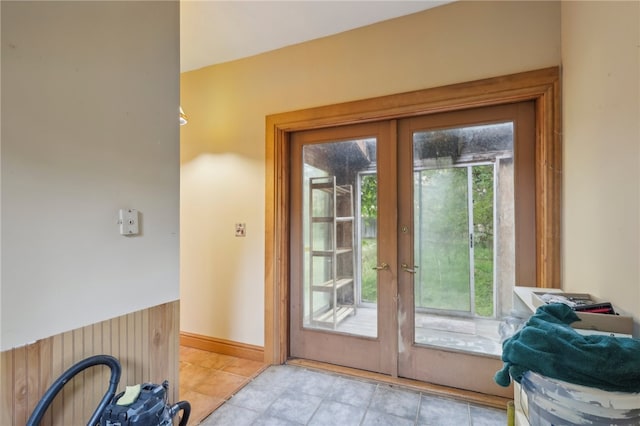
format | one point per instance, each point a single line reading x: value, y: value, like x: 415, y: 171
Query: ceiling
x: 216, y: 31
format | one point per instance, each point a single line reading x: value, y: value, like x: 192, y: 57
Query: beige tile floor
x: 208, y: 379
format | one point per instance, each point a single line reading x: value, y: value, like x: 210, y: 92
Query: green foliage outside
x: 484, y: 281
x: 369, y: 196
x: 369, y: 275
x: 483, y: 214
x: 369, y: 252
x: 444, y: 256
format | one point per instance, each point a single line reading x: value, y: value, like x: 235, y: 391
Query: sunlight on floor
x: 208, y: 379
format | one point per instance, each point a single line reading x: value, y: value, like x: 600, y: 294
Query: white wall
x: 222, y: 147
x: 601, y: 210
x: 90, y: 93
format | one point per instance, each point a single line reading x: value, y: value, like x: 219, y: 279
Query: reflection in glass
x: 339, y: 216
x: 441, y: 251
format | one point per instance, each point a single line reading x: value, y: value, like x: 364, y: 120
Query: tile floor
x: 292, y: 395
x: 208, y: 379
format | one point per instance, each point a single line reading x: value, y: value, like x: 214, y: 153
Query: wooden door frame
x: 541, y: 86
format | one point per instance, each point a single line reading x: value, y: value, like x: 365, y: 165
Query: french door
x: 329, y: 245
x: 403, y: 242
x: 466, y: 197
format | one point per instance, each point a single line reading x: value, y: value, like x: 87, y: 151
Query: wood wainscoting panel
x: 145, y: 342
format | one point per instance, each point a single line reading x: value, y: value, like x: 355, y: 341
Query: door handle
x: 406, y: 268
x: 382, y: 267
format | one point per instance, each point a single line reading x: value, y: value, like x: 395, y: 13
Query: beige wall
x: 601, y: 72
x: 90, y: 93
x: 222, y: 147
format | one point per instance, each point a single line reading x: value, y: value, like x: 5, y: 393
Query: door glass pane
x: 464, y: 259
x: 339, y: 232
x: 442, y: 239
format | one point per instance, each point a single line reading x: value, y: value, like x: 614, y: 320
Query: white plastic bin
x: 552, y: 402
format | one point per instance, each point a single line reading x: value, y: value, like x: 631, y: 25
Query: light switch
x: 129, y: 222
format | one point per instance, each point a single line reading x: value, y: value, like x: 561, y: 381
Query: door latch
x: 406, y: 268
x: 382, y: 267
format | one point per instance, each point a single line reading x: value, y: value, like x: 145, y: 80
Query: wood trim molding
x: 222, y: 346
x: 549, y: 186
x: 541, y: 86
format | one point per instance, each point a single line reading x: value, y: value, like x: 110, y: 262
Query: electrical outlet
x: 129, y: 222
x: 241, y: 230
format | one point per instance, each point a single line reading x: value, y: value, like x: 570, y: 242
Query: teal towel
x: 549, y: 346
